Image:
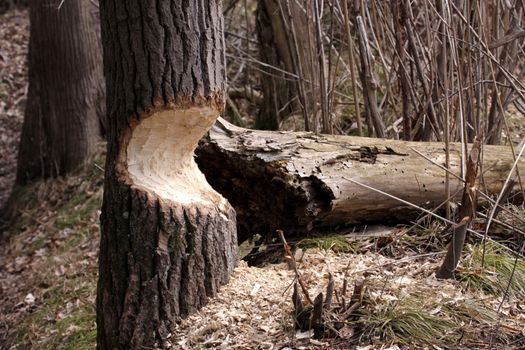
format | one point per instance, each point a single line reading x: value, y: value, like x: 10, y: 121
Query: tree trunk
x: 303, y: 182
x: 66, y: 89
x: 6, y: 5
x: 290, y: 79
x: 168, y: 239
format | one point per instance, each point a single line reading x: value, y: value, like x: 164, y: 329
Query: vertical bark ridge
x: 162, y: 254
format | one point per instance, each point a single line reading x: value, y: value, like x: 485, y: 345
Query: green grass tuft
x: 337, y: 244
x: 497, y: 273
x: 65, y: 319
x: 408, y: 321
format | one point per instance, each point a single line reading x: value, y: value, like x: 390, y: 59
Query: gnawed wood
x: 466, y: 212
x: 297, y: 181
x: 168, y: 240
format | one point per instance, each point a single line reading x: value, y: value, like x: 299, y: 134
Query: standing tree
x: 66, y: 89
x: 6, y: 5
x: 168, y: 239
x: 290, y: 77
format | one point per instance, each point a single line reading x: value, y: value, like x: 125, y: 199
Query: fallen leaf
x: 29, y: 299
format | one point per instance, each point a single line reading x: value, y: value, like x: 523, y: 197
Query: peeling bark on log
x: 297, y: 182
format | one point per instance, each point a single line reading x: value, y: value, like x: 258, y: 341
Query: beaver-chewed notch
x: 160, y: 155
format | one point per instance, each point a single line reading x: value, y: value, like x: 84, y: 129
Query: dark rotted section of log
x: 252, y: 179
x: 302, y: 182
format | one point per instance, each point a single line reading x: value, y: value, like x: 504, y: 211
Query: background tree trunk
x: 168, y: 240
x: 66, y: 89
x: 302, y: 182
x: 6, y: 5
x: 286, y: 41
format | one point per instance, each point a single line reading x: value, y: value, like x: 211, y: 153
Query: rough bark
x: 298, y: 182
x: 66, y: 89
x: 404, y: 82
x: 286, y: 43
x: 368, y: 79
x: 168, y: 240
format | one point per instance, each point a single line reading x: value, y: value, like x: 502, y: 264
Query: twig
x: 466, y: 213
x: 288, y: 251
x: 502, y: 192
x: 477, y: 234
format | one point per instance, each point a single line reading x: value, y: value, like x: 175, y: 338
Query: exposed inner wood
x: 176, y: 236
x: 160, y: 155
x: 168, y: 241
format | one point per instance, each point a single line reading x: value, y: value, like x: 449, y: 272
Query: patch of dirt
x: 14, y: 39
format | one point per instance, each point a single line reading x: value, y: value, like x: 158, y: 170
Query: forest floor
x: 48, y: 270
x: 49, y: 274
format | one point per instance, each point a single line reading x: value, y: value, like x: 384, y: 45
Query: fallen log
x: 301, y: 182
